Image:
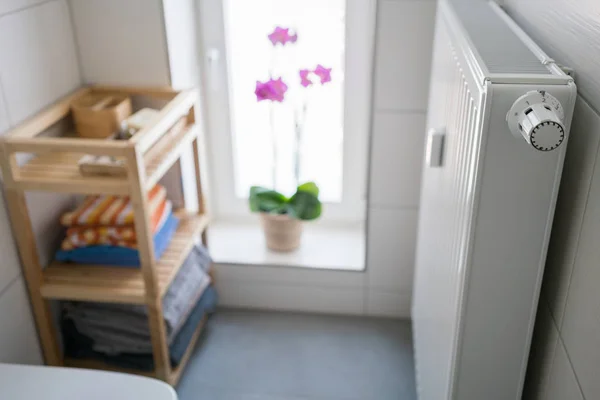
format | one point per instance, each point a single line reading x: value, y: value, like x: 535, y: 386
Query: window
x: 260, y: 143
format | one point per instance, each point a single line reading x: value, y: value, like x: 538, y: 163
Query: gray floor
x: 253, y: 355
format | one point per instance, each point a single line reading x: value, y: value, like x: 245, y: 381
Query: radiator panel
x: 499, y: 47
x: 445, y: 212
x: 484, y: 221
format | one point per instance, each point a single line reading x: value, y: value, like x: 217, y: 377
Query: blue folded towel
x: 120, y: 256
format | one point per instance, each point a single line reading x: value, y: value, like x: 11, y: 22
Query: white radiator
x: 498, y: 123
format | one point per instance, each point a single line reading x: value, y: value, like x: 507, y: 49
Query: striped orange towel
x: 113, y: 210
x: 123, y: 236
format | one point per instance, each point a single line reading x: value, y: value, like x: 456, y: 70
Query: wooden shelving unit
x: 53, y: 167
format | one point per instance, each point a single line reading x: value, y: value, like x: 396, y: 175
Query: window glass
x: 265, y: 134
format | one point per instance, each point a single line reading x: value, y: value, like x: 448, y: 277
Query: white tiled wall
x: 38, y: 60
x: 569, y: 367
x: 562, y: 383
x: 294, y: 297
x: 18, y: 339
x: 10, y: 264
x: 398, y: 140
x: 404, y: 43
x: 9, y: 6
x: 580, y: 328
x: 120, y: 45
x: 577, y: 175
x: 9, y: 269
x: 4, y: 124
x: 543, y: 347
x: 388, y: 303
x: 392, y: 243
x: 38, y: 65
x: 402, y: 67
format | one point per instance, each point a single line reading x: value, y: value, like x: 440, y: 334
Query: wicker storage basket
x: 100, y: 116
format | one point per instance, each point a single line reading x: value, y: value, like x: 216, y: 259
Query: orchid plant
x: 274, y: 90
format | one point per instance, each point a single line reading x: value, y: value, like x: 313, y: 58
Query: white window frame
x: 360, y: 42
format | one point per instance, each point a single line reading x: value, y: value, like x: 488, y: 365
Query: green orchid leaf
x: 309, y: 187
x: 305, y: 206
x: 266, y: 200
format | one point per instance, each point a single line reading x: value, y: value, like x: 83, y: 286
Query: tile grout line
x: 10, y: 284
x: 392, y: 207
x: 546, y: 379
x: 560, y: 340
x: 17, y: 10
x: 406, y: 111
x: 76, y: 42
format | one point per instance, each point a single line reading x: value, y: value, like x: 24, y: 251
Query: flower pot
x: 282, y: 233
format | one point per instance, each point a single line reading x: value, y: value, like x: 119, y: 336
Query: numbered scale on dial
x: 538, y: 117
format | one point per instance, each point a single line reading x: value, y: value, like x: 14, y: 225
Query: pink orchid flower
x: 304, y: 80
x: 323, y: 73
x: 273, y: 90
x: 282, y: 35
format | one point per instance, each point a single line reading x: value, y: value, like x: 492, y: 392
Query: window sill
x: 334, y: 248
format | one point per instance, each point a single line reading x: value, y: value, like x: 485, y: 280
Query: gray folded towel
x: 123, y: 328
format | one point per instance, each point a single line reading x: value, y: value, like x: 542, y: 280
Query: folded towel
x: 113, y: 210
x: 117, y: 255
x: 78, y: 345
x: 117, y: 328
x: 123, y: 236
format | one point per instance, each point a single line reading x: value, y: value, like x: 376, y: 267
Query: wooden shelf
x: 52, y: 166
x: 59, y: 171
x: 174, y: 377
x: 121, y: 284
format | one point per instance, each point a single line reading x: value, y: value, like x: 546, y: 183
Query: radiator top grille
x: 500, y: 48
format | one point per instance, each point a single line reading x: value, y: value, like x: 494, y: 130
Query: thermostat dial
x: 538, y: 118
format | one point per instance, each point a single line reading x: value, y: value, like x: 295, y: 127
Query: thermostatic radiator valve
x: 538, y: 117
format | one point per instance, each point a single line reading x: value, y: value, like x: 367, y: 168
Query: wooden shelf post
x: 139, y: 200
x: 198, y: 154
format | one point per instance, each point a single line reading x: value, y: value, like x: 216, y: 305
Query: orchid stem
x: 297, y: 150
x: 300, y: 120
x: 274, y: 145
